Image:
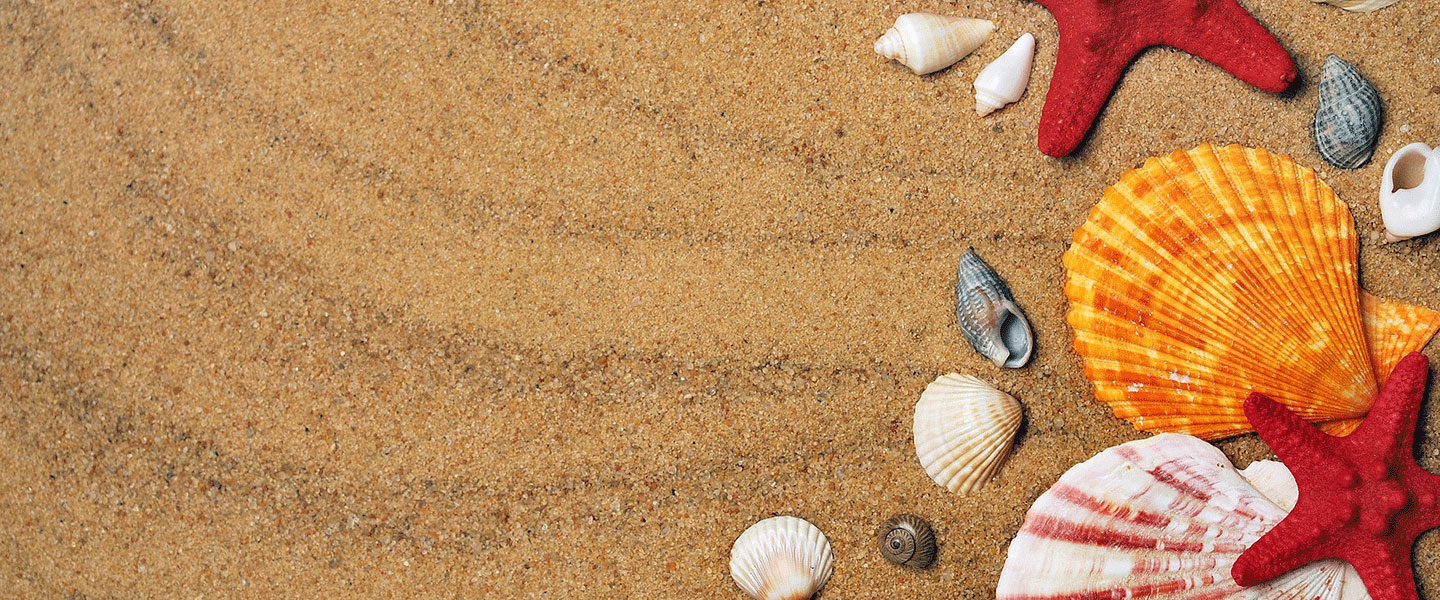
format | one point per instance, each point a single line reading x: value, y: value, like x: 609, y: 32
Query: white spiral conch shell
x: 781, y: 558
x: 1004, y: 81
x: 1410, y: 193
x: 1358, y: 5
x: 927, y: 42
x: 963, y: 431
x: 1162, y: 518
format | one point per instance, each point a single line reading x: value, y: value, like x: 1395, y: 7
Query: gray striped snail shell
x: 907, y: 540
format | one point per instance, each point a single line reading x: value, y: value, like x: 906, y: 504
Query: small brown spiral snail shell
x: 907, y: 540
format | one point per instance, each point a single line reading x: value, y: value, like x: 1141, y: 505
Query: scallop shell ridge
x: 1164, y: 517
x: 781, y: 558
x: 989, y: 316
x: 1210, y: 273
x: 964, y: 429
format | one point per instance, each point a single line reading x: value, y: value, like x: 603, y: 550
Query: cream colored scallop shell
x: 1161, y: 518
x: 781, y: 558
x: 963, y: 431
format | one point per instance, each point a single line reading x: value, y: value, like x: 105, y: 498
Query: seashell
x: 1359, y: 5
x: 1274, y: 481
x: 989, y: 317
x: 908, y: 541
x: 963, y: 431
x: 927, y: 42
x: 1004, y: 81
x: 1211, y: 273
x: 1347, y: 124
x: 1410, y: 192
x: 1164, y: 517
x: 781, y: 558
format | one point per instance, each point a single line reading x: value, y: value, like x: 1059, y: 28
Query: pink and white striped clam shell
x: 1163, y: 517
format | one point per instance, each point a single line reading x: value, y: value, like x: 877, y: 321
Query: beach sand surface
x: 554, y: 299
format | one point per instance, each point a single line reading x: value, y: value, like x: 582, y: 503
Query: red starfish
x: 1098, y: 38
x: 1362, y: 497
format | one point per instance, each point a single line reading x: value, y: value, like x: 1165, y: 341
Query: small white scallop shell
x: 1359, y: 5
x: 927, y: 42
x: 963, y: 431
x: 1004, y: 81
x: 1163, y: 517
x: 781, y: 558
x: 1410, y: 192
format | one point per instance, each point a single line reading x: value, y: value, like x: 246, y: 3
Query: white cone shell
x: 1004, y: 81
x: 1359, y: 5
x: 1164, y: 517
x: 781, y: 558
x: 963, y: 431
x: 1414, y: 210
x: 928, y: 42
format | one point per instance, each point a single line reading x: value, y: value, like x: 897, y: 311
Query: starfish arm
x: 1083, y: 80
x: 1290, y: 545
x: 1232, y: 39
x: 1392, y: 417
x: 1293, y: 439
x: 1386, y: 576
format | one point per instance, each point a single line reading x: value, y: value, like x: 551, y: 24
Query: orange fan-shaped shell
x: 1211, y: 273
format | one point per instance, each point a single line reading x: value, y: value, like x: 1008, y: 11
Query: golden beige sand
x: 554, y: 299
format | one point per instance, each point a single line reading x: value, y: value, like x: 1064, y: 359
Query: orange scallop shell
x: 1211, y: 273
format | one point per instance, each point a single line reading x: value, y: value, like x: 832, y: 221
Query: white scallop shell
x: 1359, y: 5
x: 1004, y: 81
x: 927, y: 42
x: 781, y: 558
x: 963, y: 431
x: 1163, y: 517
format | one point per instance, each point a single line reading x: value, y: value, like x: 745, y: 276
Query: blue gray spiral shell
x: 989, y: 317
x: 1347, y: 124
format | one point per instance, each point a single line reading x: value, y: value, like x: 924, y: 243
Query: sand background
x: 554, y: 299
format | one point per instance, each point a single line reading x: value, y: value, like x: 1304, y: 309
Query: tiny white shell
x: 963, y: 431
x: 1359, y: 5
x: 781, y: 558
x: 1410, y: 192
x: 928, y: 42
x: 1004, y: 81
